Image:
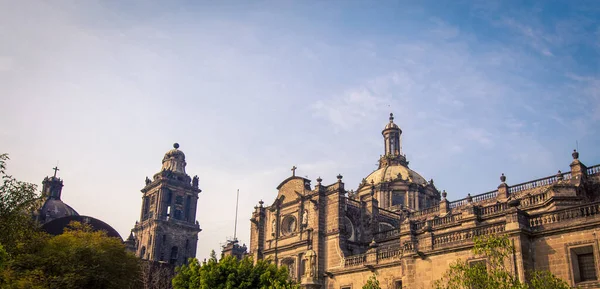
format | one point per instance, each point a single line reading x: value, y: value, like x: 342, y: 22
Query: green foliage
x: 79, y: 258
x: 230, y: 272
x: 496, y: 251
x: 17, y: 201
x: 372, y: 283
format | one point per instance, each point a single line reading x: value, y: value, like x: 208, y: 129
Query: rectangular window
x: 583, y: 264
x: 398, y: 198
x: 587, y: 271
x: 478, y: 263
x: 398, y: 284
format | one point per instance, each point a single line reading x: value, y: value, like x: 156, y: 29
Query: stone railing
x: 458, y: 203
x: 386, y: 235
x: 450, y: 219
x: 593, y: 170
x: 389, y: 253
x: 532, y: 200
x: 493, y: 209
x: 431, y: 210
x: 537, y: 183
x: 537, y: 222
x: 465, y: 235
x: 356, y: 260
x: 485, y: 196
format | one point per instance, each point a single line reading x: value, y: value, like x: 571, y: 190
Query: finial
x: 294, y: 171
x: 559, y: 175
x: 503, y: 178
x: 176, y: 145
x: 339, y: 177
x: 469, y: 198
x: 444, y: 194
x: 260, y: 203
x: 391, y: 117
x: 319, y: 180
x: 55, y: 170
x: 575, y: 154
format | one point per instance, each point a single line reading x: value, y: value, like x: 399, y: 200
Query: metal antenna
x: 236, y: 213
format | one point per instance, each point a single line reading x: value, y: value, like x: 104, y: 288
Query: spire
x: 392, y: 145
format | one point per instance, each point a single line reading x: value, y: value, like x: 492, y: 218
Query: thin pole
x: 236, y: 213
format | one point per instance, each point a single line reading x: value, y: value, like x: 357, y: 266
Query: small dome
x: 174, y: 160
x: 391, y: 124
x: 388, y: 173
x: 54, y: 209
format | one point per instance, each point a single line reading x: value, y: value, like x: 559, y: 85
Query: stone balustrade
x: 539, y: 221
x: 593, y: 170
x: 452, y: 238
x: 493, y: 209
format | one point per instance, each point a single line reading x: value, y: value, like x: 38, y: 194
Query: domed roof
x: 174, y: 153
x: 174, y: 160
x: 56, y: 227
x: 54, y: 209
x: 391, y: 124
x: 388, y: 173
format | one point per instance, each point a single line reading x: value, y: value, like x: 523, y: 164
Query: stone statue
x: 148, y: 181
x: 304, y: 218
x: 311, y: 264
x: 195, y: 182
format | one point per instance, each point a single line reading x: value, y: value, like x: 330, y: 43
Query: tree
x: 493, y: 273
x: 18, y: 200
x: 230, y: 272
x: 372, y: 283
x: 79, y: 258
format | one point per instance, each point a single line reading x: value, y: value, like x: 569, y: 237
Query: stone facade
x: 401, y: 228
x: 168, y: 229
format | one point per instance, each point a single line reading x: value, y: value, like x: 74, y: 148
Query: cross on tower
x: 55, y: 170
x: 294, y: 171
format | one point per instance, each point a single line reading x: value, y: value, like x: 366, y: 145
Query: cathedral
x: 167, y: 231
x: 400, y: 227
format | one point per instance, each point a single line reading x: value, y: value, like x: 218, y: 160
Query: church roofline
x: 291, y: 178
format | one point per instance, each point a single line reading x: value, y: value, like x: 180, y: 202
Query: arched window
x: 143, y: 252
x: 174, y: 253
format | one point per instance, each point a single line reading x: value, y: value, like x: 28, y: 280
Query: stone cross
x: 55, y: 169
x: 294, y: 171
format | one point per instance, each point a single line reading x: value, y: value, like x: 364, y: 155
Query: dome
x: 388, y: 173
x: 57, y: 227
x: 54, y: 209
x: 174, y: 160
x: 391, y: 124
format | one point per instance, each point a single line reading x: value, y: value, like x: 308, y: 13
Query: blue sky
x: 250, y: 89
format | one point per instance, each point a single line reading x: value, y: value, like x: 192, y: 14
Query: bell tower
x: 393, y: 145
x: 168, y: 229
